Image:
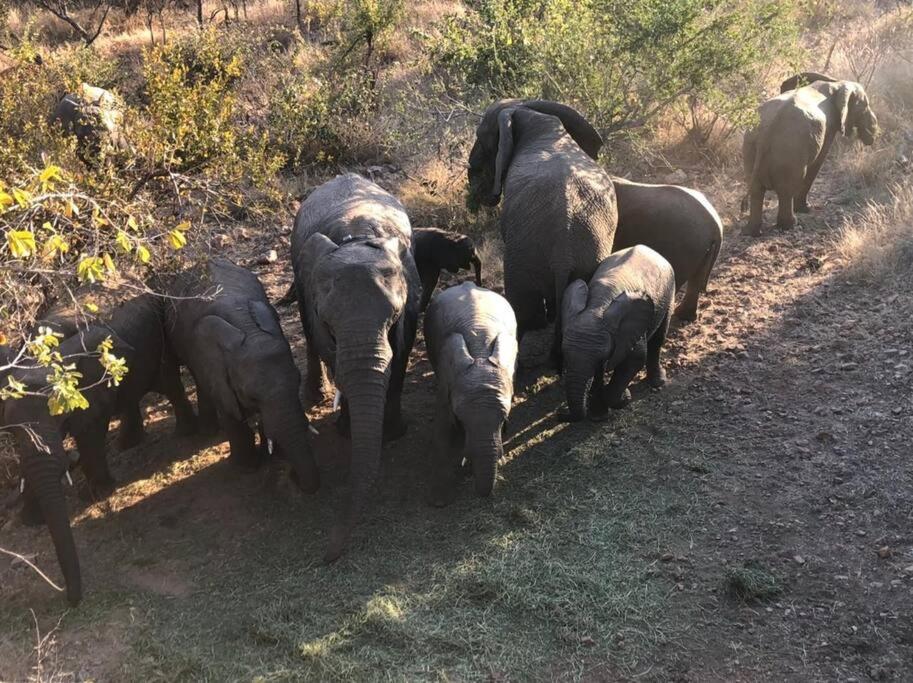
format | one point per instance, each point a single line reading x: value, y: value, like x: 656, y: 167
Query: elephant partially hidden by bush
x: 614, y: 324
x: 471, y: 337
x: 786, y: 150
x: 222, y: 327
x: 136, y: 330
x: 559, y: 213
x: 677, y: 222
x: 358, y: 293
x: 95, y: 118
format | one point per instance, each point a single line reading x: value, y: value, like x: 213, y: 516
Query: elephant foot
x: 686, y: 314
x: 314, y: 396
x: 247, y: 460
x: 442, y: 496
x: 129, y: 438
x: 100, y: 489
x: 309, y: 490
x: 621, y: 401
x: 567, y: 416
x: 339, y: 539
x: 657, y: 379
x: 802, y: 208
x: 752, y: 230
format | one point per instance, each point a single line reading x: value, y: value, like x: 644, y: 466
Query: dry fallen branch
x: 32, y: 565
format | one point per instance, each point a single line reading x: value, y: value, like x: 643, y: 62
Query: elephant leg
x: 94, y: 462
x: 616, y: 393
x: 596, y: 402
x: 686, y: 311
x: 656, y: 376
x: 529, y: 308
x: 445, y: 471
x: 561, y: 281
x: 756, y: 210
x: 131, y: 427
x: 172, y: 387
x: 394, y: 424
x: 786, y: 219
x: 313, y: 381
x: 31, y: 513
x: 209, y: 417
x: 800, y: 203
x: 429, y: 282
x: 244, y: 452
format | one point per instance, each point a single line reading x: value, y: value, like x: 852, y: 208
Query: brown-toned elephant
x: 136, y: 330
x: 471, y: 337
x: 358, y: 294
x: 786, y: 150
x: 437, y: 250
x: 558, y: 216
x: 677, y: 222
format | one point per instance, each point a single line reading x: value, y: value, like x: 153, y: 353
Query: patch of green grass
x: 753, y: 583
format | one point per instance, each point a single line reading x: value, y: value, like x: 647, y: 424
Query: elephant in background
x: 222, y: 327
x: 470, y: 333
x: 559, y: 212
x: 95, y: 118
x: 677, y: 222
x: 786, y: 150
x: 358, y: 293
x: 437, y: 250
x: 136, y: 330
x: 616, y: 323
x: 803, y: 79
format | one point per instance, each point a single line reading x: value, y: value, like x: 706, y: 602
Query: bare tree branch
x: 60, y: 9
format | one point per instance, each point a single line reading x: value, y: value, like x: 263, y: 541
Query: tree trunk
x: 200, y: 13
x: 298, y: 16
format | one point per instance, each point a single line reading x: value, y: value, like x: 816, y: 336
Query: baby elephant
x: 471, y: 335
x: 437, y: 249
x: 615, y: 323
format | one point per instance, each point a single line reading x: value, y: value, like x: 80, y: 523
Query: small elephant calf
x: 437, y: 249
x: 471, y: 334
x: 616, y: 322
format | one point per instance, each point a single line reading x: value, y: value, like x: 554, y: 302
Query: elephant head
x: 490, y: 156
x: 852, y: 105
x: 595, y: 334
x: 39, y: 437
x: 480, y: 401
x: 357, y: 294
x: 252, y: 372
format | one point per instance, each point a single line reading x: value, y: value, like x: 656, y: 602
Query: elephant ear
x: 574, y: 300
x: 457, y: 354
x: 266, y: 317
x: 574, y: 123
x: 219, y: 341
x: 504, y: 352
x: 505, y: 148
x: 628, y: 320
x: 844, y: 98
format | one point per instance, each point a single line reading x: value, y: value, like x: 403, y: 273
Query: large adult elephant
x: 358, y: 293
x: 804, y: 78
x: 677, y: 222
x: 136, y: 330
x: 223, y: 328
x: 786, y: 150
x: 559, y: 214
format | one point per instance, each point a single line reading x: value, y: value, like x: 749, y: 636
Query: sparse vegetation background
x: 231, y: 111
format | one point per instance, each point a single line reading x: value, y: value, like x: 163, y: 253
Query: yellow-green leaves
x: 21, y: 243
x: 14, y: 389
x: 116, y: 368
x: 42, y: 346
x: 48, y: 176
x: 90, y: 269
x: 65, y: 394
x: 54, y: 246
x: 124, y: 241
x: 177, y: 239
x: 142, y: 253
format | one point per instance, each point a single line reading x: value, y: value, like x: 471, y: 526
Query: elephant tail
x: 291, y: 296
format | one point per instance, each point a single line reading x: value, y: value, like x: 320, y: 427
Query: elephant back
x: 636, y: 269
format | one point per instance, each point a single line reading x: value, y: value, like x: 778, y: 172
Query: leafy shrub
x: 624, y: 61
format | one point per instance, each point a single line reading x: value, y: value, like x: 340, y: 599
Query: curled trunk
x: 288, y: 428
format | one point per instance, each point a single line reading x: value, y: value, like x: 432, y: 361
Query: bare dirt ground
x: 775, y: 463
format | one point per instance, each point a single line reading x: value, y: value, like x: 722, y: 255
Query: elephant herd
x: 600, y: 256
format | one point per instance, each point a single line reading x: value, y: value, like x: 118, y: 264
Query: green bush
x: 623, y: 61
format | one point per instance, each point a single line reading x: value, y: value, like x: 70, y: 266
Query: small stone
x: 798, y: 559
x: 861, y: 532
x: 221, y: 240
x: 677, y: 177
x: 667, y: 557
x: 908, y: 569
x: 884, y: 552
x: 269, y: 257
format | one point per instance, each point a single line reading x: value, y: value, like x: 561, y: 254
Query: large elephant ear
x: 504, y: 352
x: 628, y: 319
x: 456, y: 353
x: 574, y: 123
x: 574, y: 300
x: 505, y: 148
x: 844, y: 99
x: 266, y: 317
x: 219, y: 340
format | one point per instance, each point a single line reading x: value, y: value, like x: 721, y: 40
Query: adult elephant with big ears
x: 559, y: 212
x: 358, y: 293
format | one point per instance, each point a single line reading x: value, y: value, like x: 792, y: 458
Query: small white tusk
x: 463, y: 464
x: 337, y: 399
x: 313, y: 430
x: 269, y: 446
x: 22, y: 485
x: 68, y: 478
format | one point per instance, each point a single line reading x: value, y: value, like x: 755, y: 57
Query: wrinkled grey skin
x: 224, y: 330
x: 803, y: 79
x: 136, y: 328
x: 437, y: 250
x: 93, y: 117
x: 677, y: 222
x: 358, y: 294
x: 559, y: 214
x: 470, y: 334
x: 786, y: 150
x: 616, y: 323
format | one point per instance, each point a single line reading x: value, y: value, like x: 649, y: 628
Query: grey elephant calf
x: 358, y: 295
x: 437, y: 250
x: 680, y: 224
x: 471, y: 335
x: 785, y: 152
x: 616, y: 323
x: 94, y: 117
x: 222, y: 327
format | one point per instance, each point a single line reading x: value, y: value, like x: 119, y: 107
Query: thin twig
x: 30, y: 564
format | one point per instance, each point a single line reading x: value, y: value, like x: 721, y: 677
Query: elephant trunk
x: 42, y: 472
x: 362, y: 375
x: 577, y: 380
x: 484, y: 451
x: 288, y: 426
